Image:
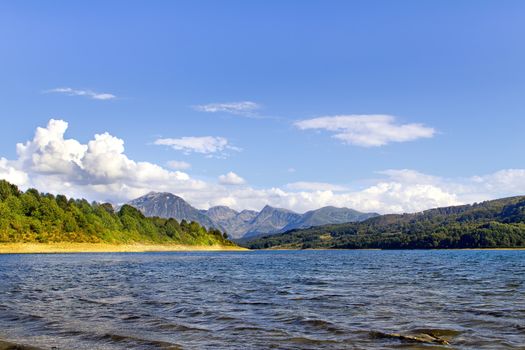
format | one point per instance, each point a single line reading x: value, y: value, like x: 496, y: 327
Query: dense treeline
x: 35, y: 217
x: 492, y: 224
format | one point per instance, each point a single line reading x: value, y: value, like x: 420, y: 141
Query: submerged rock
x: 4, y: 345
x: 425, y: 338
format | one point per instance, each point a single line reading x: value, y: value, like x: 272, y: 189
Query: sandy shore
x: 49, y: 248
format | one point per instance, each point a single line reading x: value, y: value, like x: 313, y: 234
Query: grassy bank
x: 66, y: 247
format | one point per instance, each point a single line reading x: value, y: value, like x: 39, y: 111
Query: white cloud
x: 203, y: 144
x: 512, y: 180
x: 100, y: 170
x: 49, y: 153
x: 231, y: 179
x: 314, y: 186
x: 409, y: 176
x: 178, y: 165
x: 367, y: 130
x: 503, y: 183
x: 11, y: 174
x: 245, y: 108
x: 87, y: 93
x: 396, y: 197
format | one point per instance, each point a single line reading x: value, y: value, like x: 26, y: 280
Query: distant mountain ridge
x: 272, y: 220
x: 235, y: 223
x: 247, y: 223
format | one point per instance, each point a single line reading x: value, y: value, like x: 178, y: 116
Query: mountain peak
x: 168, y: 205
x: 153, y: 194
x: 222, y: 208
x: 268, y: 208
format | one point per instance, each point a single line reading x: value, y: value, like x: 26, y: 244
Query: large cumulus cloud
x: 98, y: 169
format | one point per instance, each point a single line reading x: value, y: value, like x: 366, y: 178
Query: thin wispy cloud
x: 367, y: 130
x: 204, y: 144
x: 82, y: 92
x: 244, y: 108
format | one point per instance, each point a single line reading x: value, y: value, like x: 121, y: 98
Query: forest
x: 491, y: 224
x: 32, y: 216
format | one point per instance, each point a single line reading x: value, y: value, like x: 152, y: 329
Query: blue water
x: 264, y: 300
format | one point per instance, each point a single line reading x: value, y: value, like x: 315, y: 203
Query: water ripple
x: 263, y: 300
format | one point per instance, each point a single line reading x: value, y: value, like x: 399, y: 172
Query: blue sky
x: 450, y: 71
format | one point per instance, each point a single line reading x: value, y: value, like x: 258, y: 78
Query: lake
x: 264, y: 300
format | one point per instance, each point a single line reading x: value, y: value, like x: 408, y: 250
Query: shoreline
x: 64, y: 247
x: 78, y: 248
x: 379, y: 249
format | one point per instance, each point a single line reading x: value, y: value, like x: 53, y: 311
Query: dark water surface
x: 264, y: 300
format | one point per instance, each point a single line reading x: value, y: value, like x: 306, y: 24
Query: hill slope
x: 45, y: 218
x: 491, y: 224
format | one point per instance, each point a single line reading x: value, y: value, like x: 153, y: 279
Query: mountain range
x: 246, y: 223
